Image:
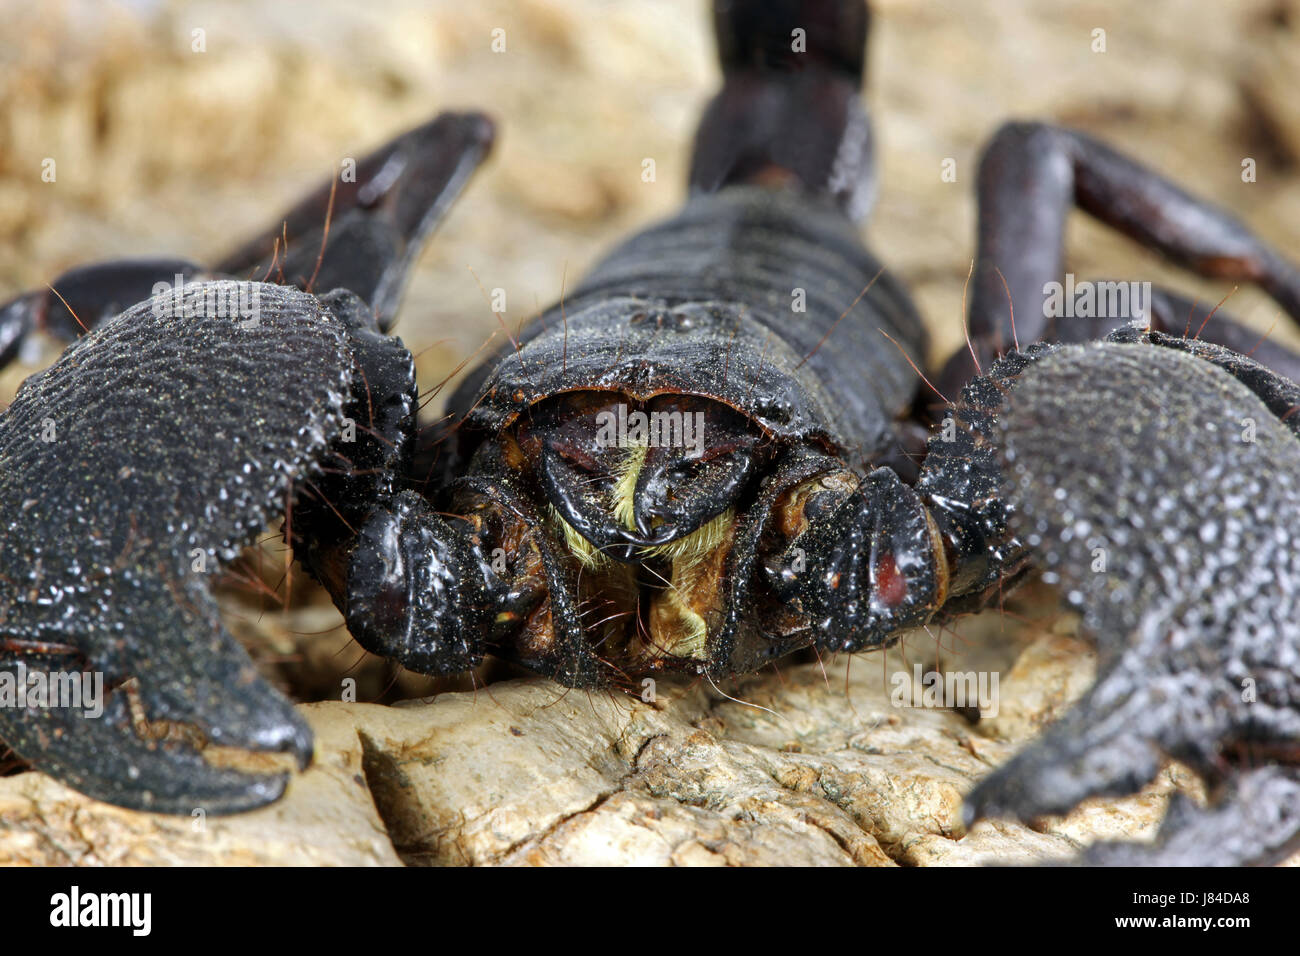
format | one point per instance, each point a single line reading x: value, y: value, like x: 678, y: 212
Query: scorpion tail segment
x: 417, y: 590
x: 789, y: 113
x: 384, y: 207
x: 181, y: 723
x: 867, y: 565
x: 82, y: 298
x: 790, y: 35
x: 1199, y: 625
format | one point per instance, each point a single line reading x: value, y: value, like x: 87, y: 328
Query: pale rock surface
x: 525, y: 773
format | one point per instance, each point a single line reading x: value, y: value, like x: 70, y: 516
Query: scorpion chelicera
x: 702, y: 459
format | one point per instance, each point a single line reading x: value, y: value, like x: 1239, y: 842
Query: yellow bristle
x: 625, y: 487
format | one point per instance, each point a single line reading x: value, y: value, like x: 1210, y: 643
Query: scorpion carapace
x: 705, y: 457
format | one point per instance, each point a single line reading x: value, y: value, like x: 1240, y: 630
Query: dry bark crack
x: 532, y: 775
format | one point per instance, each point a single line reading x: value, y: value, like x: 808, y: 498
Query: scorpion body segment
x: 720, y: 316
x: 723, y: 350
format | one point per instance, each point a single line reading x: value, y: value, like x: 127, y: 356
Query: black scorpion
x: 677, y: 468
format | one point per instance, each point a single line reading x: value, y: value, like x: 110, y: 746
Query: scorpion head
x: 616, y: 551
x: 629, y: 480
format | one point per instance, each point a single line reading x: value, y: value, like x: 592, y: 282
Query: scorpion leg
x: 81, y: 298
x: 383, y: 211
x: 1030, y: 176
x: 1165, y: 509
x: 382, y: 214
x: 1172, y: 314
x: 1169, y: 314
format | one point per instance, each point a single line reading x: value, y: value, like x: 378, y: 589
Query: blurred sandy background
x: 164, y: 150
